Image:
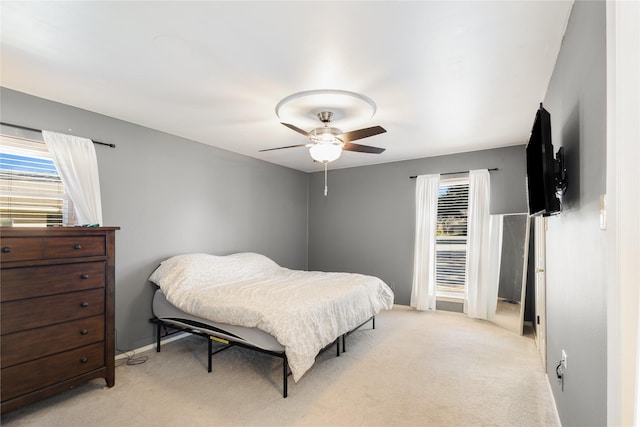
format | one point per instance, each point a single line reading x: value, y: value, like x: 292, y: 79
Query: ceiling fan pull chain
x: 325, y: 178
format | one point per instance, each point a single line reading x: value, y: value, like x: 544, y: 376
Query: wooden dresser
x: 57, y: 291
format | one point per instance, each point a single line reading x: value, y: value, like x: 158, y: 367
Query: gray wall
x: 366, y: 223
x: 170, y: 195
x: 576, y: 271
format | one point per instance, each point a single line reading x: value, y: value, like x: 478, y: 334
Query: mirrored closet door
x: 513, y: 272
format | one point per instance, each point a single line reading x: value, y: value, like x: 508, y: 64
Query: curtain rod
x: 454, y: 173
x: 39, y: 130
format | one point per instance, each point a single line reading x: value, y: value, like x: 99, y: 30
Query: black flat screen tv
x: 542, y: 181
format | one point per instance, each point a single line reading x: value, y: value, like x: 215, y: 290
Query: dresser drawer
x: 27, y: 377
x: 64, y: 247
x: 41, y: 342
x: 29, y: 282
x: 21, y: 249
x: 37, y: 312
x: 34, y: 248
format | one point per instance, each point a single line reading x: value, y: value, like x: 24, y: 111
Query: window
x: 31, y: 191
x: 451, y: 237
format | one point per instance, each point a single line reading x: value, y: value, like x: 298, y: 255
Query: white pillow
x: 195, y: 270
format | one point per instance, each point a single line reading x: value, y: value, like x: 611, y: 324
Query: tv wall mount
x: 560, y: 173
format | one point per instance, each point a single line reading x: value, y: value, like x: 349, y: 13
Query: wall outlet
x: 564, y: 360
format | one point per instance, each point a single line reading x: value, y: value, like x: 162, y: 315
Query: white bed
x: 301, y: 312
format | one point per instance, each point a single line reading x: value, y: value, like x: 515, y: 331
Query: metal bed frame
x: 208, y: 332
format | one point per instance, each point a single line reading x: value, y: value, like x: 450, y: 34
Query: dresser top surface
x: 52, y: 231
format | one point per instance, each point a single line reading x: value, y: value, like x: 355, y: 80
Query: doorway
x: 540, y: 323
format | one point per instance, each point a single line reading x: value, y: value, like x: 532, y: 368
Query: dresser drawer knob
x: 84, y: 360
x: 84, y: 304
x: 84, y: 276
x: 77, y: 246
x: 83, y: 332
x: 6, y: 249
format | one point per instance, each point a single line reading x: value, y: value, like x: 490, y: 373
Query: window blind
x: 451, y: 235
x: 31, y: 191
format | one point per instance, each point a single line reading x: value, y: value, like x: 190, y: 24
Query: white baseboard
x: 553, y: 400
x: 152, y: 346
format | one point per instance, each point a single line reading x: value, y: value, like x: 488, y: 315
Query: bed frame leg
x: 210, y: 354
x: 338, y: 347
x: 344, y: 336
x: 285, y: 375
x: 158, y: 338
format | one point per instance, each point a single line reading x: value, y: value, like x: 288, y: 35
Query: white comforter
x: 304, y: 310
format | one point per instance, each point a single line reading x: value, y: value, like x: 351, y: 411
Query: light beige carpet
x: 414, y: 369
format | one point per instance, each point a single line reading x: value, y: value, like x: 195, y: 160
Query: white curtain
x: 483, y: 250
x: 494, y: 260
x: 423, y: 291
x: 75, y: 159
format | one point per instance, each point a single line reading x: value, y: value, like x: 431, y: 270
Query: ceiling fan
x: 328, y: 142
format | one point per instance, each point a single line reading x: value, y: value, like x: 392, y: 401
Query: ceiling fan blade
x: 297, y: 129
x: 362, y: 133
x: 280, y: 148
x: 362, y: 148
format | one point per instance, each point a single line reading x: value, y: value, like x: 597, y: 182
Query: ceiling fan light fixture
x: 326, y: 135
x: 327, y: 142
x: 325, y: 152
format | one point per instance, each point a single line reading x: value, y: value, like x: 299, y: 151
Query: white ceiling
x: 447, y: 76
